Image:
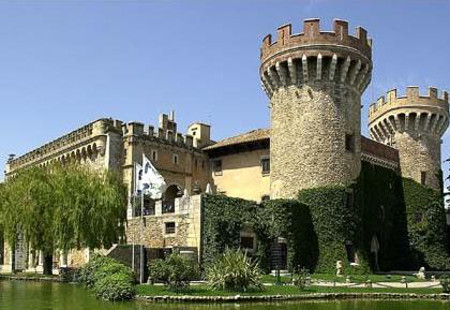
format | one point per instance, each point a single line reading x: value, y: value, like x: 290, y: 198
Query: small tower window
x: 349, y: 142
x: 175, y: 159
x: 423, y: 177
x: 154, y: 155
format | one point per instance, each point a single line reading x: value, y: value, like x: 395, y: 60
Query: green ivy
x: 292, y: 220
x: 223, y: 219
x: 408, y: 220
x: 335, y: 221
x: 426, y: 226
x: 382, y: 211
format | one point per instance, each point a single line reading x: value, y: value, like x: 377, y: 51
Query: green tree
x: 62, y: 207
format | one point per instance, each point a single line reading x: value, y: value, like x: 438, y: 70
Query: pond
x: 57, y: 296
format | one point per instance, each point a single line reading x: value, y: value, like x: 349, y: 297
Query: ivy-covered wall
x: 407, y: 220
x: 223, y: 218
x: 381, y: 207
x: 336, y: 224
x: 427, y: 229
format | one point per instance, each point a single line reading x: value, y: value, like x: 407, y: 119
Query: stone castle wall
x: 151, y: 230
x: 308, y: 140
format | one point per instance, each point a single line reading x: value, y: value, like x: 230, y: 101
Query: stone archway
x: 172, y: 192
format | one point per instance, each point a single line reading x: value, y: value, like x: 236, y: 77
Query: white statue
x: 339, y: 268
x: 421, y: 273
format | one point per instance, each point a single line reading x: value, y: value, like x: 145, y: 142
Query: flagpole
x: 133, y: 197
x: 141, y: 256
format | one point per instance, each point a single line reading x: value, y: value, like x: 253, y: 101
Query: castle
x: 314, y: 80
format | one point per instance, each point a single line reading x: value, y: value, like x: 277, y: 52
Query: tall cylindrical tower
x: 414, y: 125
x: 314, y: 81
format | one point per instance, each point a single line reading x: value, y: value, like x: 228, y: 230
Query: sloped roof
x: 248, y: 137
x: 262, y: 137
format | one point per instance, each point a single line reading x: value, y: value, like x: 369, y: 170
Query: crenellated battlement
x: 87, y: 134
x: 412, y: 97
x: 315, y: 57
x: 312, y: 35
x: 165, y: 133
x: 414, y: 112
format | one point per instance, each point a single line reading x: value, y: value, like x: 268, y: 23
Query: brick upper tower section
x: 316, y: 55
x: 314, y: 81
x: 414, y: 124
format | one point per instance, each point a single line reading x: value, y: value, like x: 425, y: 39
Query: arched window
x: 172, y: 192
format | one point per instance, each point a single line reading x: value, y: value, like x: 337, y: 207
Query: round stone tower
x: 314, y: 81
x: 414, y: 125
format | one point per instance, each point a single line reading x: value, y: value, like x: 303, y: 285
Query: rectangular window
x: 247, y: 243
x: 175, y: 159
x: 217, y: 167
x: 423, y: 177
x: 149, y: 206
x: 349, y: 142
x: 265, y: 166
x: 265, y: 198
x: 170, y: 227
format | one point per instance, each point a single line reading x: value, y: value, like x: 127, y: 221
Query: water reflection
x: 55, y: 296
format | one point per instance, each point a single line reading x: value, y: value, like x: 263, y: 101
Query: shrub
x: 234, y: 271
x: 116, y: 286
x: 302, y: 279
x: 108, y: 278
x: 175, y: 271
x: 445, y: 283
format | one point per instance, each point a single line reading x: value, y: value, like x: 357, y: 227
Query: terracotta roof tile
x: 367, y: 145
x: 248, y: 137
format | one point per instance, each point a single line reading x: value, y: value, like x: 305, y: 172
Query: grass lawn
x: 203, y: 290
x: 353, y: 278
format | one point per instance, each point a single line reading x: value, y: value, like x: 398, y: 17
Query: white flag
x: 137, y: 179
x: 151, y: 181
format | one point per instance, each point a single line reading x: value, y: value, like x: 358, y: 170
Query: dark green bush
x: 445, y: 283
x: 114, y: 287
x: 108, y: 278
x: 234, y: 271
x: 176, y: 271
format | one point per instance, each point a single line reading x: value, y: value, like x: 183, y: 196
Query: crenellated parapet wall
x: 83, y: 144
x: 148, y: 132
x: 412, y: 112
x: 413, y: 124
x: 316, y: 56
x: 314, y: 81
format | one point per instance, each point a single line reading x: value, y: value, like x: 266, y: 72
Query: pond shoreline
x: 36, y: 278
x: 312, y: 296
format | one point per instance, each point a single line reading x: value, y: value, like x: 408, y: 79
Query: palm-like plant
x: 234, y: 271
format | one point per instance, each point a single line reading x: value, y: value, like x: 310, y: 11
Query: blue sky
x: 65, y: 63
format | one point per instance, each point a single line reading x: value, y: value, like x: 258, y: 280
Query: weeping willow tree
x: 62, y: 208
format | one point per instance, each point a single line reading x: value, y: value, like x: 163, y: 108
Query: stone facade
x: 414, y: 125
x: 315, y: 80
x: 155, y: 231
x: 108, y: 144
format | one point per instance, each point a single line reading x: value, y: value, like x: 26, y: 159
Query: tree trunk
x: 13, y: 258
x: 48, y: 264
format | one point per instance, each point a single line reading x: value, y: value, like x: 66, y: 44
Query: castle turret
x: 413, y: 124
x: 314, y: 81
